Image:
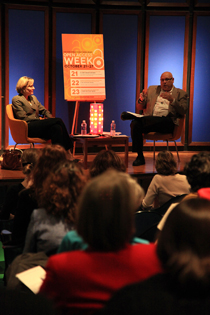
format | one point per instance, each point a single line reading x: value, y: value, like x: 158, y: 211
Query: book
x: 32, y: 278
x: 130, y: 115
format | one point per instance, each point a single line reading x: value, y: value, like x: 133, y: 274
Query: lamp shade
x: 96, y: 118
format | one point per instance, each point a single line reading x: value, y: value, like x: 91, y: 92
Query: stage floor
x: 143, y: 173
x: 149, y: 167
x: 8, y: 176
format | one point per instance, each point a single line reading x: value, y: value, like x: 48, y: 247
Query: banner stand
x: 75, y: 123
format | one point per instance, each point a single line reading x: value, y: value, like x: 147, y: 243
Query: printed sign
x: 83, y: 67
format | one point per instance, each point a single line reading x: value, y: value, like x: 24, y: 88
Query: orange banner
x: 83, y: 67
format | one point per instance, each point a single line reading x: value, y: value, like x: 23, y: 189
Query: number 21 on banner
x: 73, y: 73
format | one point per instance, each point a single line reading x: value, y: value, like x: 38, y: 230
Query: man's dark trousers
x: 147, y: 124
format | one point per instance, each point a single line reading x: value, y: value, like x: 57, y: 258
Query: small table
x: 102, y: 141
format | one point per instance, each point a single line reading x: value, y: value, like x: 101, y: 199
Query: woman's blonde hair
x: 22, y: 84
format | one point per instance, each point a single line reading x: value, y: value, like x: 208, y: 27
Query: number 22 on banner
x: 74, y: 82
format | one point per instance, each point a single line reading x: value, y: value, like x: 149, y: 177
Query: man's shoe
x: 139, y: 161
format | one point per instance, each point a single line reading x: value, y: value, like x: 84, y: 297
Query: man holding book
x: 162, y: 107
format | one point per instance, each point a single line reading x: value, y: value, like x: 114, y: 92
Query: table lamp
x: 96, y: 118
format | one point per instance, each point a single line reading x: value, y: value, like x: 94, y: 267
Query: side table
x: 102, y: 141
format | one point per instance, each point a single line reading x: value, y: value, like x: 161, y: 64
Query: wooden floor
x: 143, y: 174
x: 149, y: 167
x: 7, y: 176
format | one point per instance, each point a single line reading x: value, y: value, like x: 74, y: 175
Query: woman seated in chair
x: 26, y: 107
x: 80, y: 282
x: 184, y: 251
x: 167, y: 183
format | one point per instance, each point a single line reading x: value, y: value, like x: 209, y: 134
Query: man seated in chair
x: 162, y: 105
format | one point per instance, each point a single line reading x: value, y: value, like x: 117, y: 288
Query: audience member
x: 50, y: 155
x: 57, y: 208
x: 184, y: 251
x: 28, y: 161
x: 197, y: 171
x: 80, y: 282
x: 104, y: 160
x: 167, y: 183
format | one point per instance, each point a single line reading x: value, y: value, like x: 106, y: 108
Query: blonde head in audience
x: 183, y: 245
x: 105, y: 217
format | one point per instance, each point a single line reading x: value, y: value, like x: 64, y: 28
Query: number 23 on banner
x: 75, y: 91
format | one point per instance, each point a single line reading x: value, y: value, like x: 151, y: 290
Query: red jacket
x: 82, y: 281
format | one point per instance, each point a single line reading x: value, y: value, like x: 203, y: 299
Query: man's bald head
x: 166, y: 81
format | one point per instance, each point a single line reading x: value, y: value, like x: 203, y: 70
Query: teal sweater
x: 72, y: 241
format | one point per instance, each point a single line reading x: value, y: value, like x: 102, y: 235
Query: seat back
x: 162, y: 209
x: 146, y: 221
x: 18, y: 128
x: 169, y: 136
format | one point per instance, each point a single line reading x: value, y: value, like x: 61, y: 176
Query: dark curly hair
x: 104, y: 160
x: 61, y: 189
x: 197, y: 171
x: 50, y: 155
x: 165, y: 163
